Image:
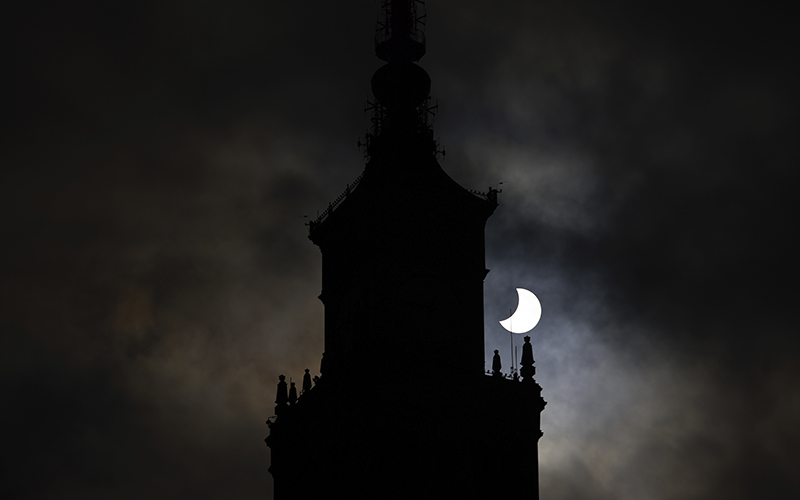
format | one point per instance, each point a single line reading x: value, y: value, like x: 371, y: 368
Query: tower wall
x: 402, y: 280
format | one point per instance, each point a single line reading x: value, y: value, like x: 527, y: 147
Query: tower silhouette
x: 403, y: 407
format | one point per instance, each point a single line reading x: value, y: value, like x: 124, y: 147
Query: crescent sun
x: 527, y: 315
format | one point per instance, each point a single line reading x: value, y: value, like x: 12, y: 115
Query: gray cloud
x: 159, y: 278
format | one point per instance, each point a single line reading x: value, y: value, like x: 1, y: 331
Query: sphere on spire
x: 401, y: 85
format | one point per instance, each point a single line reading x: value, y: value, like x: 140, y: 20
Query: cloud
x: 158, y: 276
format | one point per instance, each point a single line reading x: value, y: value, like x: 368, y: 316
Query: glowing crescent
x: 527, y: 315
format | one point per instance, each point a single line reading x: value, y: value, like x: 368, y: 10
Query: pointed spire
x: 401, y: 87
x: 292, y: 394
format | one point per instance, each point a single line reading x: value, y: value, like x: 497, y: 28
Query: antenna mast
x: 401, y: 113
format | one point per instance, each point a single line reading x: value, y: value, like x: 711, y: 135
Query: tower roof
x: 403, y: 170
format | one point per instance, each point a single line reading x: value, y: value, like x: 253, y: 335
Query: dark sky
x: 159, y: 158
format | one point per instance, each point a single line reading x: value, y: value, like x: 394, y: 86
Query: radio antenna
x: 511, y: 339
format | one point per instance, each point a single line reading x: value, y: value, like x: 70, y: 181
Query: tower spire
x: 399, y: 37
x: 401, y: 87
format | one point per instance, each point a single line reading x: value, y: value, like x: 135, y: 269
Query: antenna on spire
x: 399, y: 37
x: 401, y: 110
x: 511, y: 339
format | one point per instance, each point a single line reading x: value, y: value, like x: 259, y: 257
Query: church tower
x: 403, y: 407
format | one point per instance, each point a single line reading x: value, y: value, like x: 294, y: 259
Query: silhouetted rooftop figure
x: 292, y: 394
x: 306, y: 381
x: 527, y: 370
x: 283, y: 397
x: 496, y: 364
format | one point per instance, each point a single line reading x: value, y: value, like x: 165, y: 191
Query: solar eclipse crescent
x: 527, y: 315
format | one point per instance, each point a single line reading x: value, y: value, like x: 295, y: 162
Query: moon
x: 527, y: 315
